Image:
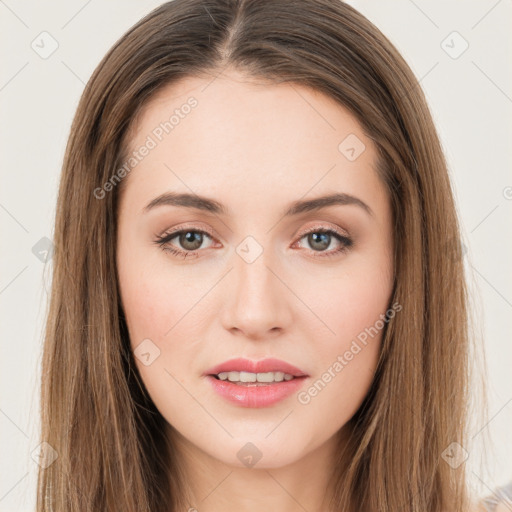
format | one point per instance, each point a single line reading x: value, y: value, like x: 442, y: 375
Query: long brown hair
x: 113, y: 453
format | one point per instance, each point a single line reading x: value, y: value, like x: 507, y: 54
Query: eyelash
x: 163, y: 241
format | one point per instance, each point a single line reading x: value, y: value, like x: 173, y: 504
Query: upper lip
x: 263, y: 366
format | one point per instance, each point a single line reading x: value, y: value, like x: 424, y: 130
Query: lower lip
x: 256, y: 396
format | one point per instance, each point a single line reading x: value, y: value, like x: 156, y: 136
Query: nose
x: 259, y: 300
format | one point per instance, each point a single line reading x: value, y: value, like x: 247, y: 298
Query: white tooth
x: 247, y: 377
x: 234, y: 376
x: 265, y: 377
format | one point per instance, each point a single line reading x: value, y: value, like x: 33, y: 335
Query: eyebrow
x: 196, y: 202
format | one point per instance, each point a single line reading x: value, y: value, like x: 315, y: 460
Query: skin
x: 255, y: 148
x: 503, y: 506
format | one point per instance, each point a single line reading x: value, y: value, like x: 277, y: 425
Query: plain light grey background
x: 460, y: 52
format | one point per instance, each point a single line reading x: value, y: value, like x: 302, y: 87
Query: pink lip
x: 255, y: 395
x: 263, y: 366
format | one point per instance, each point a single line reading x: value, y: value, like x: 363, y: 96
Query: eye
x: 191, y: 241
x: 320, y: 239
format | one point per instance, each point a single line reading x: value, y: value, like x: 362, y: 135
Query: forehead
x: 232, y: 132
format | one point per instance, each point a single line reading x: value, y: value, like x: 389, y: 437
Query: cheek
x: 352, y: 306
x: 345, y: 365
x: 149, y: 308
x: 162, y: 318
x: 334, y: 395
x: 154, y: 300
x: 352, y: 300
x: 158, y: 319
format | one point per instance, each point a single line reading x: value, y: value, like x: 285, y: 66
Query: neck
x: 212, y: 484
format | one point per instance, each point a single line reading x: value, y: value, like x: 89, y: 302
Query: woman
x: 258, y: 296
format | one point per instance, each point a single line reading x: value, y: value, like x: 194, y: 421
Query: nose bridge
x: 259, y: 302
x: 252, y: 269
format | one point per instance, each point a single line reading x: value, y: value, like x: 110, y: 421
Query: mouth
x: 250, y: 383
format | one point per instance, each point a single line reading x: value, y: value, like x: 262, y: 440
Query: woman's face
x: 254, y: 275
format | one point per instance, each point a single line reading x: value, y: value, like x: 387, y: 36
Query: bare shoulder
x: 504, y: 506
